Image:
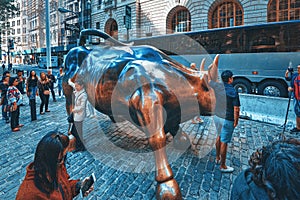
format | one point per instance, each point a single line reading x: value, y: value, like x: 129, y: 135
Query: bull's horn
x: 213, y: 69
x: 202, y: 65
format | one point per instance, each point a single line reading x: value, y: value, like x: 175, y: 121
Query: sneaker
x: 227, y: 170
x: 294, y: 130
x: 217, y: 161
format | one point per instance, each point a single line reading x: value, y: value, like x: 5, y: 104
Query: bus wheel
x: 242, y: 85
x: 272, y: 88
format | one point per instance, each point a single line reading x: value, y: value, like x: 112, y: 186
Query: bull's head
x: 204, y: 93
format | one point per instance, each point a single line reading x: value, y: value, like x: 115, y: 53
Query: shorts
x: 224, y: 128
x: 297, y: 107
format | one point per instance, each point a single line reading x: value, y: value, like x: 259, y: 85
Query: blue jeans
x: 297, y: 107
x: 224, y: 128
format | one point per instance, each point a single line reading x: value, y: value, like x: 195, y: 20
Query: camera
x: 290, y: 69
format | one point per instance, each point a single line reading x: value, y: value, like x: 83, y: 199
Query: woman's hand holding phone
x: 87, y: 185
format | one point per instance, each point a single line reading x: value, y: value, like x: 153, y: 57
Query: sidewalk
x: 121, y: 159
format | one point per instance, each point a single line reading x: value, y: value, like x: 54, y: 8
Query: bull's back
x: 112, y: 76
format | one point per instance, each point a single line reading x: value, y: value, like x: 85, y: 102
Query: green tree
x: 6, y: 6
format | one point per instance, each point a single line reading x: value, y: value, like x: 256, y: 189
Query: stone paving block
x: 195, y: 188
x: 216, y: 185
x: 110, y: 192
x: 122, y: 188
x: 131, y: 190
x: 224, y: 194
x: 184, y: 187
x: 144, y: 187
x: 213, y: 195
x: 204, y: 195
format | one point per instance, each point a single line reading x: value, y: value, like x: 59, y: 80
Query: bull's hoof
x: 168, y: 190
x: 182, y: 141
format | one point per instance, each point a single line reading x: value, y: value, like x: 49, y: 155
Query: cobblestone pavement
x: 121, y: 159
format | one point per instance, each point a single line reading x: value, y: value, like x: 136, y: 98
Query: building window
x: 178, y: 20
x: 283, y: 10
x: 18, y: 31
x: 19, y: 22
x: 225, y: 14
x: 111, y: 27
x: 13, y: 23
x: 97, y: 25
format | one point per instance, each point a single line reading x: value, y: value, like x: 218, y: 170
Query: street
x: 121, y: 159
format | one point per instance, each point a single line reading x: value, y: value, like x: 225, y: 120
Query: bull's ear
x: 202, y: 65
x: 213, y: 69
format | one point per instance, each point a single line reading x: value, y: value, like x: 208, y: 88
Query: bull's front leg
x: 151, y: 118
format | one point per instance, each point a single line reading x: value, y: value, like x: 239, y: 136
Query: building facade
x: 127, y: 20
x: 159, y: 17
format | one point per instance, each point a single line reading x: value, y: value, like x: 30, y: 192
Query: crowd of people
x: 46, y: 177
x: 15, y: 88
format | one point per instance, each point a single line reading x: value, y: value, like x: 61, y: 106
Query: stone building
x: 130, y: 19
x: 159, y: 17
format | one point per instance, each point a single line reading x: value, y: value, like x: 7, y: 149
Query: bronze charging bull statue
x: 146, y: 87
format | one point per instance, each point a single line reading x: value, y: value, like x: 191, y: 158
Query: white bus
x: 258, y: 55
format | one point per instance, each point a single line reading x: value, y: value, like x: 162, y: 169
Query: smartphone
x: 87, y: 184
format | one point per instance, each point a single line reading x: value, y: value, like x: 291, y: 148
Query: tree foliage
x: 6, y: 7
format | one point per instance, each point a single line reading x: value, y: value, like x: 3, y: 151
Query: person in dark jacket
x: 32, y: 92
x: 3, y: 88
x: 226, y: 116
x: 47, y: 176
x: 21, y: 81
x: 52, y: 80
x: 273, y: 173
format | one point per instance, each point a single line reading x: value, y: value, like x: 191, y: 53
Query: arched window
x: 179, y: 20
x: 283, y: 10
x: 225, y: 14
x: 111, y: 28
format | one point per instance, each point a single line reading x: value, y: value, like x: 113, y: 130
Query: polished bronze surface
x: 146, y: 87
